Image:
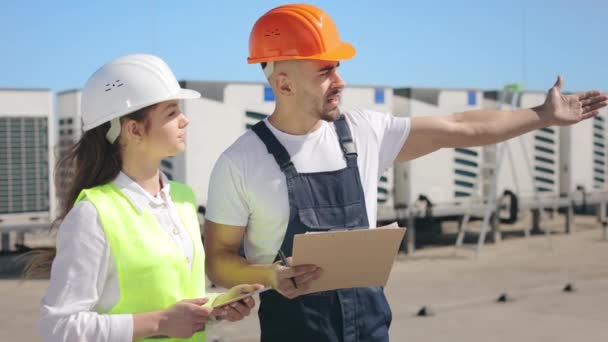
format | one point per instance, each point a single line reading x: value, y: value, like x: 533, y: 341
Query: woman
x: 129, y: 262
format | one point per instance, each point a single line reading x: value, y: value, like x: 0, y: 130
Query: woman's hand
x: 240, y: 309
x: 184, y: 318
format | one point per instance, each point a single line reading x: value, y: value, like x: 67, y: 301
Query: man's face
x: 319, y: 88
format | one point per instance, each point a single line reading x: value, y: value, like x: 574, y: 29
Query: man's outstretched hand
x: 565, y: 110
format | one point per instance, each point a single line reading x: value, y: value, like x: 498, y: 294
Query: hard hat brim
x: 343, y: 52
x: 185, y: 94
x: 182, y: 94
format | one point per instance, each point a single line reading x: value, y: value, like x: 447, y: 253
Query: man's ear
x: 283, y: 84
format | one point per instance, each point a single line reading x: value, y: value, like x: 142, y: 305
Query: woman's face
x: 164, y: 131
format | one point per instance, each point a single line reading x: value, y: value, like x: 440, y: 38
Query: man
x: 309, y: 167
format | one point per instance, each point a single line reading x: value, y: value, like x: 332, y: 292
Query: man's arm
x: 483, y: 127
x: 224, y: 265
x: 226, y: 268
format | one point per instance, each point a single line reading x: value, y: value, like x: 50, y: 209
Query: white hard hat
x: 125, y: 85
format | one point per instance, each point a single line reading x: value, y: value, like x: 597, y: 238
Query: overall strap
x: 274, y: 147
x: 346, y: 141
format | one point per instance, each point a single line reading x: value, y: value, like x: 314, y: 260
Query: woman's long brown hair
x: 95, y: 162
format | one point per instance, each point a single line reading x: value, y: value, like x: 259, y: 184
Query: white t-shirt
x: 248, y: 189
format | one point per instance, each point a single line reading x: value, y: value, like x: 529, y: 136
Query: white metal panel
x: 251, y: 97
x: 378, y: 99
x: 245, y: 94
x: 25, y: 103
x: 69, y: 118
x: 459, y: 100
x: 68, y: 104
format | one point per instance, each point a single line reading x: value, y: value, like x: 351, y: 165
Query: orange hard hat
x: 296, y: 31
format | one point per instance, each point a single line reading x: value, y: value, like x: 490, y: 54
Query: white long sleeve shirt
x: 84, y: 284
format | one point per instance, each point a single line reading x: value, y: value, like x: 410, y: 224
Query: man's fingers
x: 293, y: 292
x: 287, y: 289
x: 593, y: 99
x: 586, y: 116
x: 305, y: 279
x: 301, y: 269
x: 290, y: 272
x: 308, y: 277
x: 593, y: 107
x: 303, y: 282
x: 286, y: 285
x: 588, y: 94
x: 290, y: 291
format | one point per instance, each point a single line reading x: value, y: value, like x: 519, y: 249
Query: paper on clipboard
x: 349, y: 258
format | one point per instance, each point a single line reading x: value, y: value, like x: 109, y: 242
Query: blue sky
x: 432, y: 43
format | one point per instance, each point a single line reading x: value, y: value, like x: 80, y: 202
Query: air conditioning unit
x: 446, y: 177
x: 530, y: 166
x: 583, y: 156
x: 26, y: 167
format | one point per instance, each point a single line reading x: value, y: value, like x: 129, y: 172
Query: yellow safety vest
x: 153, y: 273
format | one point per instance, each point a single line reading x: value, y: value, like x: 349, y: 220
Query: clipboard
x: 349, y: 258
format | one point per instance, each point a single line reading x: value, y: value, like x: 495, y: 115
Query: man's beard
x: 331, y: 116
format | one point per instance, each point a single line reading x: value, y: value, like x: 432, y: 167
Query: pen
x: 284, y: 262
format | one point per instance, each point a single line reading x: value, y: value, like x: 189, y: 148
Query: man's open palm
x: 570, y: 109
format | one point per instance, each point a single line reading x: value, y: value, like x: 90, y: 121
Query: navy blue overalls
x: 323, y: 201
